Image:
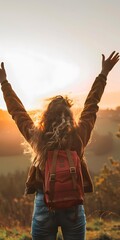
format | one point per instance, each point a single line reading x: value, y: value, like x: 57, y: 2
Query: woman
x: 57, y: 130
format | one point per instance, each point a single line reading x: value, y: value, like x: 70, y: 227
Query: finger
x: 111, y: 55
x: 103, y: 57
x: 115, y: 61
x: 116, y: 56
x: 2, y: 66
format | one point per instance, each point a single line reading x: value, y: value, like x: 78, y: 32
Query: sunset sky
x: 54, y: 47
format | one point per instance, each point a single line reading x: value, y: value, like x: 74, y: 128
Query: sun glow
x: 36, y: 76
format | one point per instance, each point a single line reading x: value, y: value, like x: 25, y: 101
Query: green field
x: 96, y: 230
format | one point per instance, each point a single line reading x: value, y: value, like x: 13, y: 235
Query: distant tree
x: 108, y: 186
x: 105, y: 199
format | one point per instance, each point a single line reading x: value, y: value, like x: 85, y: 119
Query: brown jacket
x: 85, y: 124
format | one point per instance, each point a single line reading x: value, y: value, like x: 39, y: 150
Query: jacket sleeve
x: 88, y: 115
x: 17, y: 111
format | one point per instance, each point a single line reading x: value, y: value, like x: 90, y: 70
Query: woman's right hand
x: 2, y: 73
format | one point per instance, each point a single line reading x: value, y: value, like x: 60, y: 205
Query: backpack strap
x: 53, y: 167
x: 72, y: 169
x: 52, y: 174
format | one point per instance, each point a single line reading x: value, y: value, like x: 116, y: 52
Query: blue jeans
x: 45, y: 223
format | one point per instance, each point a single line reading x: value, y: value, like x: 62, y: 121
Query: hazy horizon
x: 54, y: 47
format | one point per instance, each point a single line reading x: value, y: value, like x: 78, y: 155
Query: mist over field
x: 103, y: 143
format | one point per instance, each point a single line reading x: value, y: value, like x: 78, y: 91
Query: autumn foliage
x: 15, y: 209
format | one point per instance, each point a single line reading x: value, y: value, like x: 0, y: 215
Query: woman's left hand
x: 109, y: 63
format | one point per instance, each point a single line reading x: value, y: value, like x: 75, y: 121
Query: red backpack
x: 63, y: 184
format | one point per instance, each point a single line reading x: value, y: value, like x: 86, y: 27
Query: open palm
x: 109, y: 63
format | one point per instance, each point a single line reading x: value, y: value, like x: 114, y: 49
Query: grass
x: 15, y: 234
x: 97, y: 229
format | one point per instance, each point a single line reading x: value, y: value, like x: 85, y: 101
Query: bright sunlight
x: 35, y: 76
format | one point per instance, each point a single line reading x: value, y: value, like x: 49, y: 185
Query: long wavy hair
x: 55, y: 128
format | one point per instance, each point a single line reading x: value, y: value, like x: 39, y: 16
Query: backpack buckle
x: 52, y: 177
x: 72, y: 170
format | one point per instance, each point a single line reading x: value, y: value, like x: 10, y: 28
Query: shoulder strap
x: 53, y: 167
x: 52, y: 174
x: 72, y: 168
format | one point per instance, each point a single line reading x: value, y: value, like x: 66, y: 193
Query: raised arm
x: 15, y: 107
x: 88, y: 115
